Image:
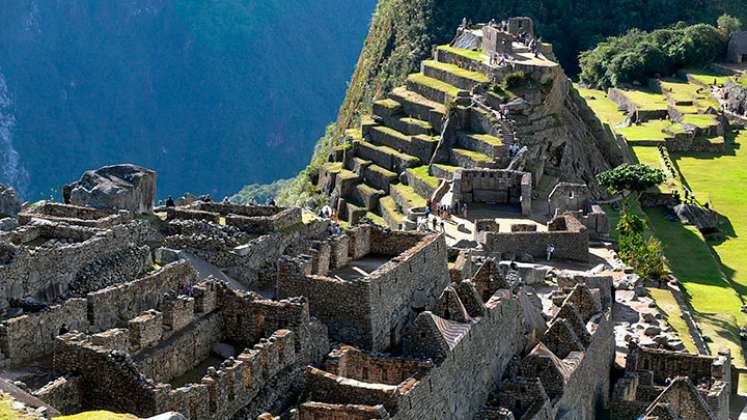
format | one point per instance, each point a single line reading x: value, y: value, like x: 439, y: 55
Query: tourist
x: 225, y: 200
x: 271, y: 202
x: 435, y: 224
x: 427, y: 212
x: 550, y: 251
x: 443, y: 226
x: 464, y: 210
x: 170, y: 202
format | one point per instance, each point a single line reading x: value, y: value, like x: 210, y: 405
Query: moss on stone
x: 422, y: 174
x: 458, y: 71
x: 472, y: 55
x: 472, y: 155
x: 436, y: 84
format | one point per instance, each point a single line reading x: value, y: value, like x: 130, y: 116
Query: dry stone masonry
x: 508, y: 309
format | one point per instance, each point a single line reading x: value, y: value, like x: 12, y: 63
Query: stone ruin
x: 667, y: 384
x: 737, y: 49
x: 223, y: 311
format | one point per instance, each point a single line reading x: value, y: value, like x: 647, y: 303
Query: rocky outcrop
x: 10, y: 205
x: 704, y: 219
x: 120, y: 187
x: 733, y: 98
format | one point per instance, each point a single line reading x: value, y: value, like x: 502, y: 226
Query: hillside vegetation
x: 403, y: 32
x: 638, y: 55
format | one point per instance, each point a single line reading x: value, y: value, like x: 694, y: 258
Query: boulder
x: 704, y: 219
x: 10, y: 205
x: 7, y: 224
x: 121, y: 187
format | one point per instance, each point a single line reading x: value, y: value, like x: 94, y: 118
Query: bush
x: 638, y: 55
x: 646, y: 256
x: 635, y: 178
x: 515, y: 79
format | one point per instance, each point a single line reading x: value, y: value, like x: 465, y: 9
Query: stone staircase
x: 385, y: 171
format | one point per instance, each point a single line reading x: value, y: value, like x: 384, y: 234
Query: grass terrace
x: 605, y: 109
x: 671, y: 309
x: 475, y: 156
x: 424, y: 80
x: 706, y: 77
x: 700, y: 120
x: 472, y: 55
x: 646, y: 100
x: 421, y: 173
x: 650, y: 131
x: 456, y: 70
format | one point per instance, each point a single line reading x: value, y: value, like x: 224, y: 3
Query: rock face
x: 10, y: 205
x: 121, y: 187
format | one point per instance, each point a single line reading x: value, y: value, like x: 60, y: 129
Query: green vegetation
x: 630, y: 179
x: 644, y: 254
x: 472, y: 55
x: 98, y: 415
x: 646, y: 100
x: 472, y: 155
x: 515, y: 80
x: 260, y: 192
x: 421, y: 172
x: 409, y: 195
x: 605, y: 109
x: 456, y: 70
x: 638, y: 55
x: 668, y: 306
x: 424, y: 80
x: 650, y: 131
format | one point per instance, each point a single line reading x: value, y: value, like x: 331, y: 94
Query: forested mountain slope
x: 211, y: 94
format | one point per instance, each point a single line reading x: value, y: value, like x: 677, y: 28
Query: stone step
x: 407, y: 199
x: 453, y: 74
x: 416, y: 106
x: 376, y: 219
x: 367, y: 196
x: 345, y: 182
x: 384, y: 136
x: 443, y: 171
x: 386, y: 108
x: 432, y: 89
x: 389, y: 211
x: 420, y: 146
x: 489, y: 145
x: 463, y: 58
x: 387, y: 157
x: 379, y: 178
x: 357, y: 164
x: 470, y: 159
x: 411, y: 126
x: 354, y: 211
x: 422, y: 182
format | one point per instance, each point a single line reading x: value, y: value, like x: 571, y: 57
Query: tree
x: 629, y: 179
x: 727, y: 25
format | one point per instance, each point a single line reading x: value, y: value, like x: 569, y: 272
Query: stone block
x: 178, y: 313
x: 115, y: 339
x: 146, y: 329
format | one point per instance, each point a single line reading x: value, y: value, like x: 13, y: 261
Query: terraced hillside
x: 459, y: 112
x: 712, y: 270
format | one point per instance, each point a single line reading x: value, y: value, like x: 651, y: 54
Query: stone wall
x: 493, y: 186
x: 372, y: 311
x: 114, y: 306
x: 75, y: 215
x: 63, y: 394
x: 571, y: 243
x: 181, y: 352
x: 352, y: 363
x: 28, y: 337
x: 46, y: 271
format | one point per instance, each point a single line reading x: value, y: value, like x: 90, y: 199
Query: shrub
x: 638, y: 55
x: 645, y: 256
x: 515, y: 79
x: 630, y: 178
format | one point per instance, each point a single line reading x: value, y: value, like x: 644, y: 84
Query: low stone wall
x: 571, y: 244
x: 181, y: 352
x: 352, y: 363
x: 266, y: 224
x: 63, y: 394
x: 28, y: 337
x: 75, y: 215
x: 116, y: 305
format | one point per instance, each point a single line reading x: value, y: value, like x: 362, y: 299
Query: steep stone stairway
x: 385, y: 173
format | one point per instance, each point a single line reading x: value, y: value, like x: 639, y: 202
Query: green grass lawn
x: 472, y: 55
x: 700, y: 120
x: 706, y: 77
x: 647, y: 100
x: 648, y: 131
x: 668, y: 305
x: 421, y: 172
x: 605, y: 109
x: 716, y: 305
